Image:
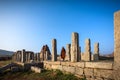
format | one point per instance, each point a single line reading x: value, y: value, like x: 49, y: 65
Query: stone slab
x: 101, y: 65
x: 103, y: 73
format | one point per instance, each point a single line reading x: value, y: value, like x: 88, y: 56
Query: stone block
x: 57, y: 67
x: 36, y: 69
x: 69, y: 69
x: 48, y: 66
x: 103, y: 73
x: 79, y: 71
x: 78, y: 64
x: 88, y: 72
x: 101, y: 65
x: 50, y: 62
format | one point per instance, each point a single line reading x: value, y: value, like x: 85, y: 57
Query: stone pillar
x: 32, y: 56
x: 117, y: 45
x: 47, y: 55
x: 87, y: 54
x: 75, y: 47
x: 19, y: 56
x: 96, y: 52
x: 79, y: 53
x: 29, y: 57
x: 37, y: 57
x: 54, y: 50
x: 68, y: 54
x: 23, y: 56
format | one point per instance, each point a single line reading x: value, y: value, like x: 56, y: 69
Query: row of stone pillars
x: 73, y: 50
x: 23, y: 56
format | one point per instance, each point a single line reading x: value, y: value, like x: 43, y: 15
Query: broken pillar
x: 68, y: 55
x: 54, y: 50
x: 96, y: 52
x: 87, y: 54
x: 75, y: 47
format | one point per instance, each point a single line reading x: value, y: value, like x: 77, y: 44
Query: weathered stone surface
x: 50, y: 62
x: 87, y: 55
x: 117, y: 45
x: 65, y: 63
x: 96, y: 52
x: 48, y: 66
x: 47, y: 56
x: 79, y: 53
x: 36, y: 69
x: 54, y: 66
x: 69, y: 69
x: 88, y: 72
x: 103, y: 73
x: 79, y: 71
x: 45, y: 53
x: 78, y: 64
x: 75, y: 47
x: 98, y: 78
x: 23, y: 56
x: 100, y: 65
x: 54, y: 50
x: 68, y: 54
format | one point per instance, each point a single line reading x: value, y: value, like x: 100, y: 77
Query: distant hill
x: 5, y: 53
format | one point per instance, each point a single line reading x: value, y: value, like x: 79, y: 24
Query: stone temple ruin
x: 81, y: 64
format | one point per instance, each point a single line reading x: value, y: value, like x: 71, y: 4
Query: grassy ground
x: 2, y: 63
x: 45, y: 75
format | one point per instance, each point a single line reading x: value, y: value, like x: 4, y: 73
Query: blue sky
x: 31, y: 24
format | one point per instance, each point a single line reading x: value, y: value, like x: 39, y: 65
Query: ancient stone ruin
x: 85, y: 64
x: 23, y: 56
x: 45, y: 53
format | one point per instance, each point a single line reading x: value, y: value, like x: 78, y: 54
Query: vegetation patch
x: 45, y: 75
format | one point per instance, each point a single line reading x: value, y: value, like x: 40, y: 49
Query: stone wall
x: 90, y: 70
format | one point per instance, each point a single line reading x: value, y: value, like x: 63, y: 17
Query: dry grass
x: 3, y: 63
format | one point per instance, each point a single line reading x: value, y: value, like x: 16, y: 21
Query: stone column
x: 68, y: 55
x: 19, y: 56
x: 79, y: 53
x: 75, y: 47
x: 87, y: 54
x: 29, y: 57
x: 54, y: 50
x: 23, y: 56
x: 32, y: 56
x: 37, y: 57
x: 117, y: 45
x: 96, y: 52
x: 47, y: 56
